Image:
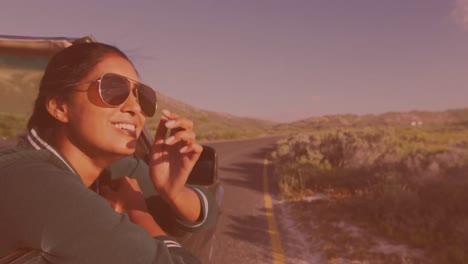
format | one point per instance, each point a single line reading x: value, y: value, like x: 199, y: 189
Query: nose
x: 132, y: 105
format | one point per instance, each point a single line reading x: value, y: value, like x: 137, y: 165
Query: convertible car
x: 22, y: 62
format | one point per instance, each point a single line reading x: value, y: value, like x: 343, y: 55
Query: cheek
x: 87, y: 118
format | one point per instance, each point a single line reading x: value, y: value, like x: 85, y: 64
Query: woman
x: 89, y: 113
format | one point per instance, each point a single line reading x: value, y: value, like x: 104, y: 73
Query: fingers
x: 129, y: 184
x: 191, y: 148
x: 176, y: 122
x: 162, y: 129
x: 185, y: 142
x: 106, y: 191
x: 181, y: 132
x: 184, y: 135
x: 169, y: 115
x: 172, y: 121
x: 124, y: 194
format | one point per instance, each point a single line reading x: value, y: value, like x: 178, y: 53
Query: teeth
x: 125, y: 126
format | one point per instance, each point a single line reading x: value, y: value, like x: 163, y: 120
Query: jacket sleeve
x: 208, y: 211
x: 138, y: 169
x: 49, y: 209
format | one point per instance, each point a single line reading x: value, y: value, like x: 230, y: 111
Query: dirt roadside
x: 314, y: 236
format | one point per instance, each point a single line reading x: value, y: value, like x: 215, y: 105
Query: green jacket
x: 45, y: 207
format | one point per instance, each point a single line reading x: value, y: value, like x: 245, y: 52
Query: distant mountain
x: 213, y: 125
x: 413, y: 118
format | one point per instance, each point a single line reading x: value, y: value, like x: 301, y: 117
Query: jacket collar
x: 38, y: 143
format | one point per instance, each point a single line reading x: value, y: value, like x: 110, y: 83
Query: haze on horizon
x: 274, y: 59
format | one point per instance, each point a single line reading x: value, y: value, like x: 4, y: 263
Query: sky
x: 280, y: 60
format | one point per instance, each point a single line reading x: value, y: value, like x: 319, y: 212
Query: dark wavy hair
x: 69, y: 65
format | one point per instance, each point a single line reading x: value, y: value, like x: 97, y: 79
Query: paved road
x: 243, y: 231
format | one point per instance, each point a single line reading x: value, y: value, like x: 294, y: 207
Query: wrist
x: 170, y: 195
x: 186, y: 204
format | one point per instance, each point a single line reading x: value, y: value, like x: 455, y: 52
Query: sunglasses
x: 114, y: 90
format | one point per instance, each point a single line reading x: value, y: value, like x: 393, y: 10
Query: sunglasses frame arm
x: 78, y: 83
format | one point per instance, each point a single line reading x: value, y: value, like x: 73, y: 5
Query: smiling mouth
x: 126, y: 127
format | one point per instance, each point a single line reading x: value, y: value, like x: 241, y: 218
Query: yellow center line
x: 277, y: 248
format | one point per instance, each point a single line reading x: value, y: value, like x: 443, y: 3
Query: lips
x: 127, y: 128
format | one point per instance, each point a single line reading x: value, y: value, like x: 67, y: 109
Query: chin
x: 120, y: 148
x: 117, y: 154
x: 128, y: 148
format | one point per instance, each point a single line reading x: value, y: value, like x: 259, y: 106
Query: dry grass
x: 342, y: 240
x: 407, y: 185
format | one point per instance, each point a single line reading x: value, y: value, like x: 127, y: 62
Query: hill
x: 18, y: 89
x: 400, y: 119
x: 211, y: 125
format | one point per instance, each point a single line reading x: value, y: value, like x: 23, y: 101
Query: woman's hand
x: 124, y: 195
x: 172, y: 161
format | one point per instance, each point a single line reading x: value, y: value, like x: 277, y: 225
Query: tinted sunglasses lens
x: 114, y: 89
x: 147, y: 99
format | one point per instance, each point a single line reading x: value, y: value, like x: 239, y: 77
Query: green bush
x: 409, y: 184
x: 11, y: 125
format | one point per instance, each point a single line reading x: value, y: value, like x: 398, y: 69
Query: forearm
x: 186, y: 204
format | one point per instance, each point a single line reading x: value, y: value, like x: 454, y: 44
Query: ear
x: 58, y: 109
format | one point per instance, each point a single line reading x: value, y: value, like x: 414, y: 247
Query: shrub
x: 11, y: 125
x: 409, y: 184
